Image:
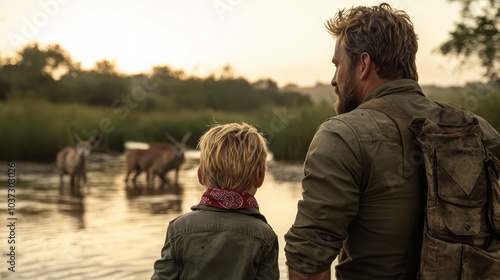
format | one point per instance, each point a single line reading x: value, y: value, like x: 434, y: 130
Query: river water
x: 110, y: 230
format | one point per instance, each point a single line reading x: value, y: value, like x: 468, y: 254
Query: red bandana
x: 228, y: 199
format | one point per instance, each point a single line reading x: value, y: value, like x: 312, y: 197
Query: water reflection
x: 72, y: 204
x: 163, y: 199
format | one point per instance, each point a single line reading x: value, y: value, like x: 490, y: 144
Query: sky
x: 284, y: 40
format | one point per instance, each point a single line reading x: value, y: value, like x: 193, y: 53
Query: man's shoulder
x: 344, y: 122
x: 360, y: 124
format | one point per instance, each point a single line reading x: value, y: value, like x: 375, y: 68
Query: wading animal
x: 157, y: 160
x: 73, y: 161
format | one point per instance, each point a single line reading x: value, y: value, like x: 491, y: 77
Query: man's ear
x: 366, y: 66
x: 200, y: 179
x: 260, y: 179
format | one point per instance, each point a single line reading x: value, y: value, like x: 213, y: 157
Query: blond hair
x: 232, y: 156
x: 386, y: 34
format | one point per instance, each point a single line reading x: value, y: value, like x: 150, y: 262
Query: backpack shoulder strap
x: 403, y: 120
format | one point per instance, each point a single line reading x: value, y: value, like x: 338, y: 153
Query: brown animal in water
x: 73, y: 161
x: 158, y: 159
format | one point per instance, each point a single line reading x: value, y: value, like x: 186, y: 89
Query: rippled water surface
x: 111, y: 231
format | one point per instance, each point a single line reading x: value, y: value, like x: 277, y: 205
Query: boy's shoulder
x: 206, y: 218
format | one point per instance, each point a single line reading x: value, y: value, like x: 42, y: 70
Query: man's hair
x: 386, y: 34
x: 232, y: 156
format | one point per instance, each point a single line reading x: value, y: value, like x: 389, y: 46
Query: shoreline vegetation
x: 35, y: 130
x: 43, y: 94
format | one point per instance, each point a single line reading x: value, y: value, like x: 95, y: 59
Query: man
x: 358, y: 203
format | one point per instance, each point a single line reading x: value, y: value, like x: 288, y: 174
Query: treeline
x: 49, y: 73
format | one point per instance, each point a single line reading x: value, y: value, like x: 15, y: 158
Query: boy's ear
x: 260, y: 180
x: 199, y: 177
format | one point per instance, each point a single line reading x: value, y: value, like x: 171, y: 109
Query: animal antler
x: 186, y: 137
x: 172, y: 139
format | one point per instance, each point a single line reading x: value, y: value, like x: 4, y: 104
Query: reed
x: 289, y: 131
x: 36, y: 130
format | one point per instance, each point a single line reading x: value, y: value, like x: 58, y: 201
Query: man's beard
x: 347, y: 99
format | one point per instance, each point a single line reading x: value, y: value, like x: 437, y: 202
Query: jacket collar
x: 246, y: 211
x: 401, y: 86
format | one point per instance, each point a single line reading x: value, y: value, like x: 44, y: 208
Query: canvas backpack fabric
x: 460, y: 230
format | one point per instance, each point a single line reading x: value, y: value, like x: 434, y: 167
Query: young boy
x: 225, y: 236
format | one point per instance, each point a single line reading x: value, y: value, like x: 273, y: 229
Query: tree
x: 266, y: 84
x: 46, y: 61
x: 34, y: 69
x: 227, y: 72
x: 477, y: 34
x: 105, y: 67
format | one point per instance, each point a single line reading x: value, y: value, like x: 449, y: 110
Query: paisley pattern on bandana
x: 228, y: 199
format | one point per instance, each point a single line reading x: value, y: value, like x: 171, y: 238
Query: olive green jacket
x: 356, y: 203
x: 212, y: 243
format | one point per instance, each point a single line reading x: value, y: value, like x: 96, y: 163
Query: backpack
x: 458, y: 234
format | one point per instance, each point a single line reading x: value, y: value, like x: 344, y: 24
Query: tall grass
x: 36, y: 130
x: 289, y: 131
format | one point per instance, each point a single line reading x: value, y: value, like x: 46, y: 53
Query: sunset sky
x: 284, y: 40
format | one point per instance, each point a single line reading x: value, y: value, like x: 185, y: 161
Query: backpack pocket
x: 461, y: 189
x: 439, y: 259
x: 478, y: 264
x: 443, y: 260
